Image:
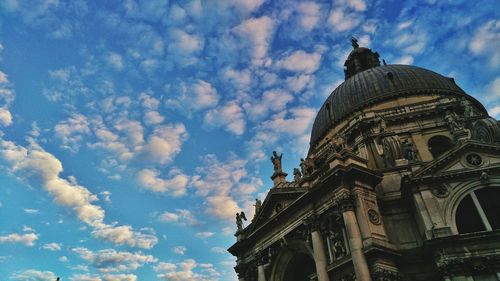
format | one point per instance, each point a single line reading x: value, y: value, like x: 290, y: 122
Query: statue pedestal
x: 278, y: 177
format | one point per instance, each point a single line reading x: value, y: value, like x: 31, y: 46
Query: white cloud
x: 5, y: 116
x: 248, y: 5
x: 404, y: 60
x: 272, y: 101
x: 358, y: 5
x: 197, y: 96
x: 3, y: 78
x: 106, y: 196
x: 115, y: 60
x: 72, y: 131
x: 494, y: 112
x: 44, y: 169
x: 34, y: 275
x: 218, y: 250
x: 85, y: 277
x: 180, y: 216
x: 300, y: 61
x: 27, y: 239
x: 230, y: 116
x: 341, y: 20
x: 493, y: 89
x: 165, y: 143
x: 184, y: 43
x: 124, y: 234
x: 110, y: 260
x: 204, y: 234
x: 176, y: 185
x: 63, y: 259
x: 297, y: 123
x: 485, y: 42
x: 240, y: 78
x: 259, y: 32
x: 30, y: 211
x: 300, y: 82
x: 180, y: 250
x: 120, y: 277
x: 185, y: 271
x: 52, y: 246
x: 309, y: 15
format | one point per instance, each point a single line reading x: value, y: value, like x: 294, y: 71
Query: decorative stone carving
x: 307, y: 166
x: 239, y: 221
x: 486, y: 130
x: 381, y: 274
x: 474, y: 159
x: 409, y: 151
x: 297, y: 175
x: 258, y: 205
x: 276, y: 160
x: 344, y: 202
x: 391, y: 150
x: 453, y: 121
x: 440, y: 191
x: 472, y: 265
x: 374, y: 217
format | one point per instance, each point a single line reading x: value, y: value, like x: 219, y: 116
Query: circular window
x: 474, y: 159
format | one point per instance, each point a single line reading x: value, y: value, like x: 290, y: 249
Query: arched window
x: 479, y: 211
x: 438, y: 145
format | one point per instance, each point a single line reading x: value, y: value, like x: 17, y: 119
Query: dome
x: 377, y: 84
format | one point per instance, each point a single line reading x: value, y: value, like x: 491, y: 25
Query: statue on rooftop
x: 258, y: 205
x: 297, y: 175
x: 354, y: 42
x: 239, y: 220
x: 276, y: 160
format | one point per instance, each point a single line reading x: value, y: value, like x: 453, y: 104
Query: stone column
x: 240, y: 269
x: 319, y: 255
x: 345, y: 204
x: 261, y: 271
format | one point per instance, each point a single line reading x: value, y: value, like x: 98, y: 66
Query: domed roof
x: 377, y: 84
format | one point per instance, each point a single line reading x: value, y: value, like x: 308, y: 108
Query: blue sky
x: 132, y: 131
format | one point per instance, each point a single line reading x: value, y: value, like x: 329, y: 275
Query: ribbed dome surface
x: 377, y: 84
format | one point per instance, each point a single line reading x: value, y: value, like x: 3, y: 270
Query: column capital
x: 241, y: 269
x: 312, y: 223
x: 344, y: 202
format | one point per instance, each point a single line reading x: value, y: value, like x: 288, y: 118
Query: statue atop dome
x: 360, y: 59
x: 354, y: 42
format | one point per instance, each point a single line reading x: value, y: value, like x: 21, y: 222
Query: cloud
x: 230, y: 116
x: 204, y: 235
x: 218, y: 250
x: 485, y: 42
x: 493, y: 89
x: 404, y: 60
x: 125, y: 235
x: 197, y: 96
x: 165, y: 143
x: 342, y: 20
x: 110, y: 260
x: 180, y: 250
x: 33, y: 275
x: 5, y: 116
x: 176, y: 185
x: 300, y: 61
x: 115, y: 60
x: 120, y: 277
x: 180, y: 216
x: 27, y: 239
x: 494, y: 112
x: 185, y: 271
x: 184, y: 42
x: 31, y: 211
x: 52, y: 246
x: 248, y: 5
x: 258, y: 32
x: 72, y: 131
x: 106, y: 196
x: 85, y: 277
x: 272, y: 101
x: 44, y: 169
x: 310, y: 14
x: 358, y: 5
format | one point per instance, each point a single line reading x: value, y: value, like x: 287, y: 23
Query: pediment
x: 277, y: 200
x: 467, y: 157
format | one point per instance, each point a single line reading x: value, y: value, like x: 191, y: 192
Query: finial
x: 354, y: 42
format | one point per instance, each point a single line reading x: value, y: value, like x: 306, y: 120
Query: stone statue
x: 258, y: 205
x: 409, y: 150
x: 338, y: 245
x: 297, y: 175
x: 239, y: 220
x: 276, y: 159
x: 354, y: 42
x: 307, y: 166
x: 452, y: 119
x: 468, y: 110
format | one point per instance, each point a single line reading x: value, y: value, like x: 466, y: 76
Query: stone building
x: 401, y: 182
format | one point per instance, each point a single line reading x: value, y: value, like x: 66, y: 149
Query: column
x: 345, y: 204
x: 261, y: 272
x: 240, y: 269
x: 319, y: 255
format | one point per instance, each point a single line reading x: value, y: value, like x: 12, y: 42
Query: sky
x: 132, y: 131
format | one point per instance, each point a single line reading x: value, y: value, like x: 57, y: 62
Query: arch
x: 438, y: 145
x: 294, y: 262
x: 458, y: 193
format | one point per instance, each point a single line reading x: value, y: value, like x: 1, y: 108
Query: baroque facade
x: 401, y: 182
